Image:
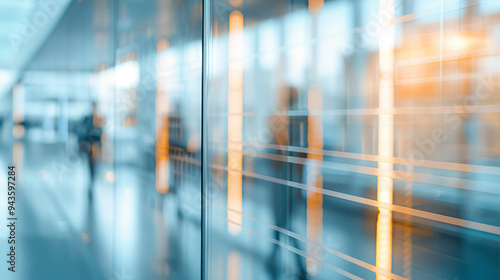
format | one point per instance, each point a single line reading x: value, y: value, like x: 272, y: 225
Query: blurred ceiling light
x: 162, y: 44
x: 268, y: 34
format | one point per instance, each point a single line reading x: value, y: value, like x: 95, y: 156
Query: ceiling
x: 24, y: 27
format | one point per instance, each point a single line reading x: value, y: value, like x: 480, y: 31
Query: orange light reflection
x: 315, y: 178
x: 235, y: 122
x: 162, y: 142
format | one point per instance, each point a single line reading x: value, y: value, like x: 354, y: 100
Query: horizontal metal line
x: 369, y: 202
x: 454, y: 56
x: 457, y: 183
x: 492, y: 170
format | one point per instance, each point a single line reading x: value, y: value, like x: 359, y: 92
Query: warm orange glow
x: 96, y: 152
x: 314, y: 178
x: 235, y: 122
x: 100, y: 67
x: 385, y: 138
x: 236, y: 3
x: 315, y: 6
x: 104, y: 147
x: 234, y: 266
x: 162, y: 142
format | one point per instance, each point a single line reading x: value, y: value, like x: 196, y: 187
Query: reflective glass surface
x: 250, y: 139
x: 103, y: 127
x: 353, y: 140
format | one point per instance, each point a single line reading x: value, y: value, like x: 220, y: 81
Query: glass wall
x: 352, y: 140
x: 158, y: 140
x: 252, y: 139
x: 105, y: 133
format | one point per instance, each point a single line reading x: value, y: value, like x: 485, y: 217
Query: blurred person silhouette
x: 89, y: 141
x: 287, y: 131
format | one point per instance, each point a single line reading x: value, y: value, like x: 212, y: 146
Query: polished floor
x: 65, y: 232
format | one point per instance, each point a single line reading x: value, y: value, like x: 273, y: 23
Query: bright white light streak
x: 385, y: 136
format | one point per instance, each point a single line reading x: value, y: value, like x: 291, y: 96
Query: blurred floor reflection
x: 66, y: 235
x: 151, y: 235
x: 383, y: 167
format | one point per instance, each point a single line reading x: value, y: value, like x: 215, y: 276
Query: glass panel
x: 352, y: 140
x: 157, y: 137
